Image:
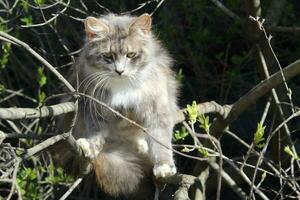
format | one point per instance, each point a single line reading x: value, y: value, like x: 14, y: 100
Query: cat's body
x: 124, y: 66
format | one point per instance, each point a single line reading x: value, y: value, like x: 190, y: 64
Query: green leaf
x: 259, y: 136
x: 24, y: 5
x: 204, y: 122
x: 6, y: 47
x: 39, y: 2
x: 19, y: 152
x: 180, y: 134
x: 203, y: 152
x: 42, y: 79
x: 3, y: 26
x: 288, y: 150
x: 185, y: 149
x: 42, y: 96
x: 28, y: 182
x: 192, y: 111
x: 40, y: 130
x: 27, y: 20
x: 57, y: 175
x: 2, y: 88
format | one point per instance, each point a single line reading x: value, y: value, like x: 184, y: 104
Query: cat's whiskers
x: 134, y: 80
x: 83, y: 87
x: 89, y: 81
x: 92, y: 104
x: 99, y: 87
x: 131, y: 80
x: 102, y: 92
x: 86, y: 79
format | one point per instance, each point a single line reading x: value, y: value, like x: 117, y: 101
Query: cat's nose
x: 119, y: 71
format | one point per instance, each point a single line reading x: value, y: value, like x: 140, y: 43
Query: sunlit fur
x: 145, y: 92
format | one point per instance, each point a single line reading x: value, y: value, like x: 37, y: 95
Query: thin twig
x: 70, y: 190
x: 268, y: 39
x: 49, y: 20
x: 157, y: 6
x: 14, y: 181
x: 40, y: 58
x: 226, y: 10
x: 253, y: 95
x: 139, y: 7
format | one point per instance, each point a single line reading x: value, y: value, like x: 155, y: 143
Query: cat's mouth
x: 119, y: 75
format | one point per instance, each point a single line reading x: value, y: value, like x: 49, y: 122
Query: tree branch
x: 253, y: 95
x: 226, y: 10
x: 228, y: 112
x: 18, y: 42
x: 29, y: 113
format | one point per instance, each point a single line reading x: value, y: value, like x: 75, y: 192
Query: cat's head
x: 118, y: 46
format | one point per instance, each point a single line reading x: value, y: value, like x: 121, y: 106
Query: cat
x: 125, y: 66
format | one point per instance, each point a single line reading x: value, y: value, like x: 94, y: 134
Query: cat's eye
x: 131, y: 55
x: 108, y: 55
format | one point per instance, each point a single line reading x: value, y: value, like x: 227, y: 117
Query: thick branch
x: 28, y: 113
x: 44, y: 145
x: 184, y: 182
x: 205, y: 108
x: 253, y: 95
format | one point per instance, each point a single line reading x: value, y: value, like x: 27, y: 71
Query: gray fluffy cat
x: 126, y: 67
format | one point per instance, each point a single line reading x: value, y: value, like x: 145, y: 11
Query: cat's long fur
x: 145, y: 92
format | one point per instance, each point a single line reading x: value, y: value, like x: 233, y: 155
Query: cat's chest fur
x: 124, y: 95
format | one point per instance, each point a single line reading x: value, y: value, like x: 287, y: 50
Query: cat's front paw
x: 142, y: 146
x: 164, y: 170
x: 89, y: 149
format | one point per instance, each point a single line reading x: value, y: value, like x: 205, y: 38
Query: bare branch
x: 253, y: 95
x: 49, y: 20
x: 26, y: 136
x: 206, y: 108
x: 36, y: 55
x: 70, y: 190
x: 229, y: 181
x: 43, y: 145
x: 157, y: 6
x: 14, y: 182
x: 226, y: 10
x: 141, y: 5
x: 29, y: 113
x: 184, y: 181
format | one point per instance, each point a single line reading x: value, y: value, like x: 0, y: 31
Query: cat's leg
x: 142, y: 145
x: 91, y: 146
x: 161, y: 152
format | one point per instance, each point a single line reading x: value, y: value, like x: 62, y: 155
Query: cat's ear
x: 142, y: 23
x: 95, y: 28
